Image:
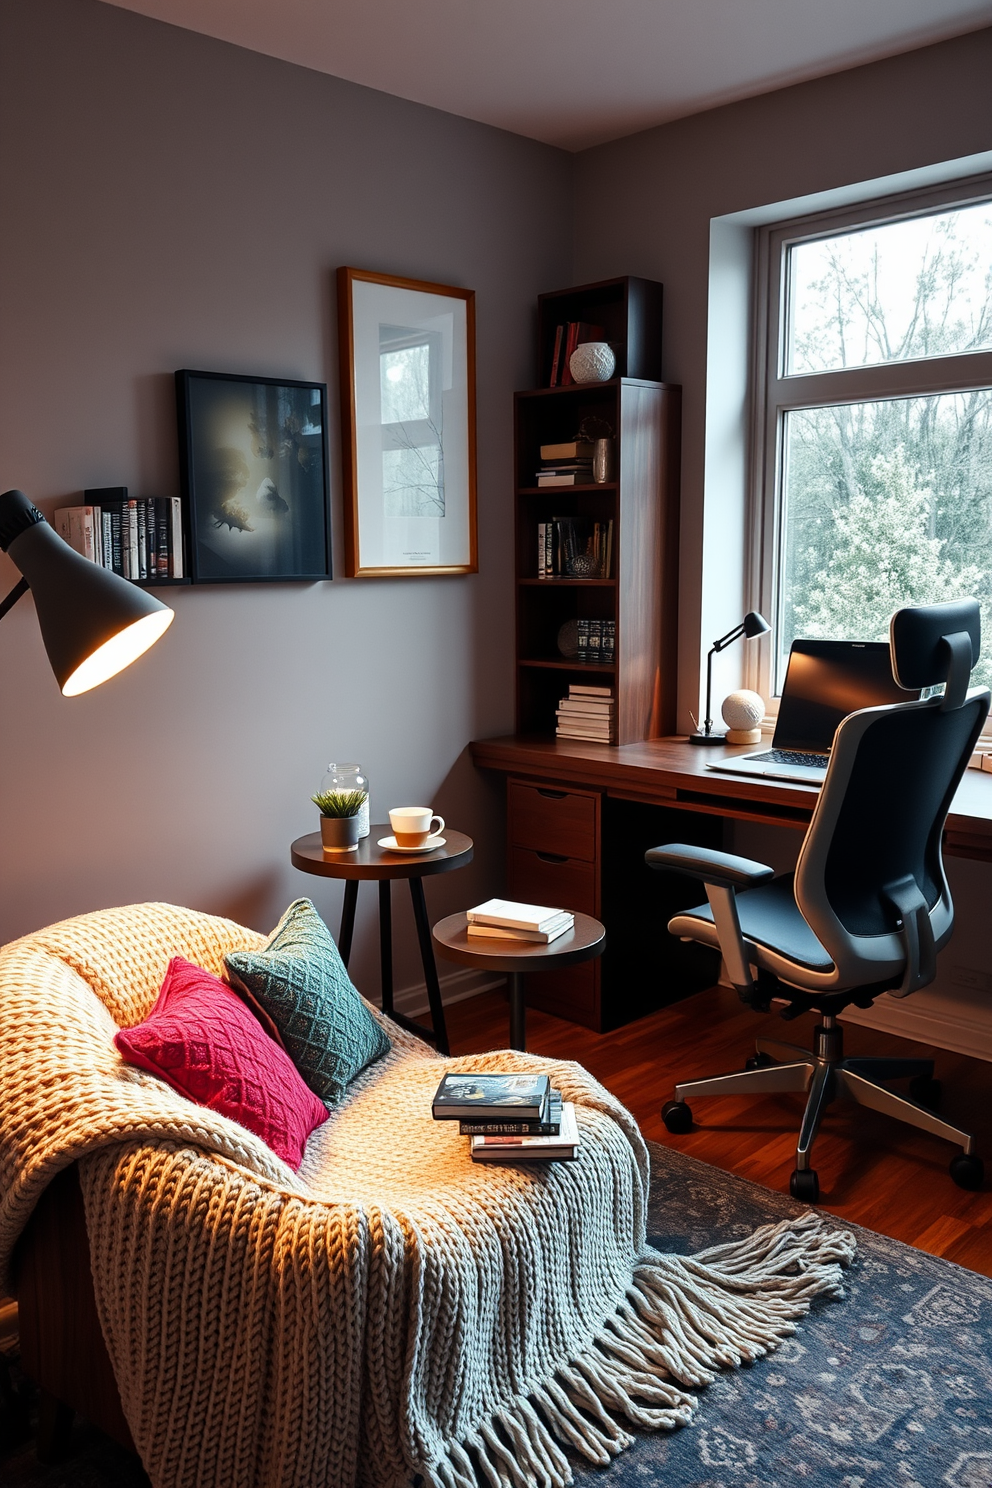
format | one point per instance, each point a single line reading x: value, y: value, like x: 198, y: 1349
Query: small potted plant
x: 339, y: 818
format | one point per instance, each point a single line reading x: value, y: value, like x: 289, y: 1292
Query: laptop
x: 824, y: 682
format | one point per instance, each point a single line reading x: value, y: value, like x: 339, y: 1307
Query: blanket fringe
x: 682, y: 1319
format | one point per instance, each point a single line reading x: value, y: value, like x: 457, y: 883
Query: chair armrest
x: 710, y: 866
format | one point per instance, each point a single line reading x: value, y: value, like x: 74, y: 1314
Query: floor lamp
x: 93, y: 622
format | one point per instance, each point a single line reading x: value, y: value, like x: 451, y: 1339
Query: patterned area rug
x: 889, y: 1388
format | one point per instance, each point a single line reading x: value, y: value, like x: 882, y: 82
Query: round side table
x: 370, y: 861
x: 585, y: 940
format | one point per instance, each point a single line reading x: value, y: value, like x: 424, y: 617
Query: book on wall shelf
x: 140, y: 538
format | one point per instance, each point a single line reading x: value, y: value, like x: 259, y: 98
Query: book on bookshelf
x: 487, y: 1097
x: 563, y: 1147
x: 548, y: 1123
x: 572, y: 449
x: 556, y: 356
x: 580, y: 716
x: 574, y: 547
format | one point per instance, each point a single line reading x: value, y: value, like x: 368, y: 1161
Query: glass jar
x: 344, y: 778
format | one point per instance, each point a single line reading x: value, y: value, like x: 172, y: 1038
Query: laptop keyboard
x: 792, y: 757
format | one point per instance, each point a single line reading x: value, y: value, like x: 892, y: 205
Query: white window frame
x: 775, y: 393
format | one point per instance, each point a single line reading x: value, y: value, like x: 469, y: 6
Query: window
x: 873, y: 470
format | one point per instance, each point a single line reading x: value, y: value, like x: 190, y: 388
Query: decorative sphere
x: 592, y: 361
x: 743, y: 710
x: 568, y: 639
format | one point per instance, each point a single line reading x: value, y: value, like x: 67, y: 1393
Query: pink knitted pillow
x: 202, y: 1039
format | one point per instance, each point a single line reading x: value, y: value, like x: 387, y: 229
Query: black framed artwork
x: 253, y: 463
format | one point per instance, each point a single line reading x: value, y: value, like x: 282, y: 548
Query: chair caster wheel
x: 967, y: 1172
x: 677, y: 1117
x: 759, y: 1061
x: 805, y: 1186
x: 926, y: 1091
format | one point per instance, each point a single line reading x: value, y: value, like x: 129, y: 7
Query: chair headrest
x: 930, y: 644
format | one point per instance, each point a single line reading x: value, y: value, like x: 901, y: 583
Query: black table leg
x: 348, y: 918
x: 386, y: 945
x: 430, y: 967
x: 518, y: 1012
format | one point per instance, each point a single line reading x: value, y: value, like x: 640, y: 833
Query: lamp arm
x: 732, y: 635
x: 8, y: 603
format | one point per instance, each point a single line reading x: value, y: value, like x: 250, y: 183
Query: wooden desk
x: 572, y: 840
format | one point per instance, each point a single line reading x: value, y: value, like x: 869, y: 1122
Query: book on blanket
x: 515, y: 1149
x: 488, y: 1097
x: 547, y: 1125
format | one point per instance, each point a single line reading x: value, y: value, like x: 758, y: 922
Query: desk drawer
x: 561, y: 883
x: 552, y: 820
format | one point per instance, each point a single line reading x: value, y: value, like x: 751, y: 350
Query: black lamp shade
x: 755, y: 624
x: 93, y: 622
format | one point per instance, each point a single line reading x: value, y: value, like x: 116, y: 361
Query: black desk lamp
x: 752, y: 625
x: 93, y: 622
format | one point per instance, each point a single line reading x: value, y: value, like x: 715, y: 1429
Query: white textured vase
x: 593, y: 361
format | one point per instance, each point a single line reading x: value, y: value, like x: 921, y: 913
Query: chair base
x: 824, y: 1075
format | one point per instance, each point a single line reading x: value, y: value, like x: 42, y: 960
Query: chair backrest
x: 872, y: 855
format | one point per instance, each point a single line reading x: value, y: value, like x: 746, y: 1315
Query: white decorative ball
x: 592, y: 361
x: 743, y: 710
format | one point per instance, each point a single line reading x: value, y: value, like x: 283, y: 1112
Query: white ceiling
x: 574, y: 72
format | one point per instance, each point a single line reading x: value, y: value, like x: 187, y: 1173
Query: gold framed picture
x: 408, y: 425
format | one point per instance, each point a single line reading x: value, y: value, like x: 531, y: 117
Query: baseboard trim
x: 954, y: 1019
x: 456, y: 986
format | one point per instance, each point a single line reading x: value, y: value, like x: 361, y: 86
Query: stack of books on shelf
x: 567, y: 338
x: 587, y: 713
x: 503, y: 919
x: 509, y: 1118
x: 568, y: 464
x: 137, y: 537
x: 574, y: 548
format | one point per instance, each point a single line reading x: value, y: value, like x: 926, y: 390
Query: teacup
x: 412, y: 825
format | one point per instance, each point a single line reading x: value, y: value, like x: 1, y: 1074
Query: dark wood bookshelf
x: 639, y: 595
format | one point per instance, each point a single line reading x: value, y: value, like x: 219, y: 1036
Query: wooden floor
x: 872, y: 1170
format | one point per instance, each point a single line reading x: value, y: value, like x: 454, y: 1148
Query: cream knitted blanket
x: 391, y: 1309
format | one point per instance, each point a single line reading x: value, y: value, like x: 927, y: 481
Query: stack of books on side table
x: 587, y: 713
x: 508, y: 1118
x: 503, y: 919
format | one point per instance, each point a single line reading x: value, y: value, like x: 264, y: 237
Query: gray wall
x: 648, y: 201
x: 172, y: 201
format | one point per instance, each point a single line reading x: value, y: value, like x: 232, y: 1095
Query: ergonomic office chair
x: 868, y: 906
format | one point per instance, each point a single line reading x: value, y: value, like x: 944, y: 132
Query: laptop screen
x: 824, y: 682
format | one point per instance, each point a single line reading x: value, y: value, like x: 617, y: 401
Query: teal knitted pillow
x: 299, y: 978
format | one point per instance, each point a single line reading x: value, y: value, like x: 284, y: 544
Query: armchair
x: 868, y: 906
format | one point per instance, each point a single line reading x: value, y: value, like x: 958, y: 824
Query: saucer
x: 391, y: 845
